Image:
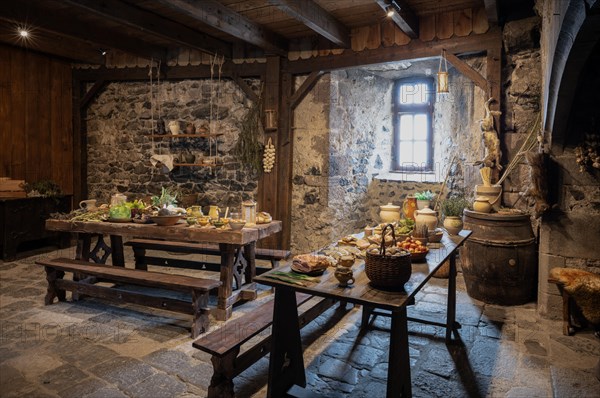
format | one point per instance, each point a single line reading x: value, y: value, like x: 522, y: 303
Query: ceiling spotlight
x: 103, y: 52
x: 389, y: 10
x: 24, y: 33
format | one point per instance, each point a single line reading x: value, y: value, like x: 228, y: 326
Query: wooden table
x: 286, y: 368
x: 237, y: 250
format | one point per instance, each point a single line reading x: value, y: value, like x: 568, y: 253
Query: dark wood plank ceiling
x: 79, y: 29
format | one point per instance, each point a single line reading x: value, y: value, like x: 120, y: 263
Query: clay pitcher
x: 213, y: 212
x: 409, y: 207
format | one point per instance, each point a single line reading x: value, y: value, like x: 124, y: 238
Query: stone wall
x: 120, y: 151
x: 342, y: 152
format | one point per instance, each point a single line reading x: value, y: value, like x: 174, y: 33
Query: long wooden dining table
x: 286, y: 367
x: 237, y: 249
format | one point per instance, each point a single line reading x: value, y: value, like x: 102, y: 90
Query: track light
x: 24, y: 33
x: 103, y: 51
x: 389, y: 10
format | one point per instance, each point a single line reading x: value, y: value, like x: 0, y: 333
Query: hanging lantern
x: 442, y: 75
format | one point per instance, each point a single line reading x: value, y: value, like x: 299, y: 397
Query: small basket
x: 388, y: 271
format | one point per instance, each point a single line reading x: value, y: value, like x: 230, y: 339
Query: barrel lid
x: 495, y: 216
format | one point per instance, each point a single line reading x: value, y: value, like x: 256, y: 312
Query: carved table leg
x: 116, y: 244
x: 398, y: 382
x: 139, y: 254
x: 221, y: 383
x: 201, y: 311
x: 53, y: 291
x: 224, y: 306
x: 250, y: 255
x: 84, y: 244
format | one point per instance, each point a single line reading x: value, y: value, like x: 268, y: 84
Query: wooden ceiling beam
x: 217, y: 16
x: 26, y: 12
x: 403, y: 17
x: 55, y: 45
x: 170, y: 72
x: 152, y: 24
x: 416, y: 49
x: 316, y: 18
x: 491, y: 9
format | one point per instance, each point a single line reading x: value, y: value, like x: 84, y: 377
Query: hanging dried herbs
x: 248, y: 148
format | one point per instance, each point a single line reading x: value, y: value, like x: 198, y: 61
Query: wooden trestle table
x: 286, y: 368
x: 237, y: 249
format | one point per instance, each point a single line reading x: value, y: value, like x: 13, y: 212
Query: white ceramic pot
x: 427, y: 217
x: 453, y: 225
x: 389, y: 213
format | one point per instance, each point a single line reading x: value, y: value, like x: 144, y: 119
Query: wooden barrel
x: 499, y: 261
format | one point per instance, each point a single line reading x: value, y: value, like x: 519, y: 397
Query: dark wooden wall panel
x: 35, y: 118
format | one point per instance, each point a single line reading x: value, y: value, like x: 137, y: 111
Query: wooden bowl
x: 237, y: 225
x: 165, y: 221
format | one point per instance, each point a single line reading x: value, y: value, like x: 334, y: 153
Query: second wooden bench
x: 224, y: 343
x: 198, y: 288
x: 142, y: 260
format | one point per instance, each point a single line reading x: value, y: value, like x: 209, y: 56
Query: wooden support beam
x: 491, y: 9
x: 172, y: 73
x: 89, y: 96
x: 469, y: 72
x: 50, y: 43
x: 61, y: 24
x: 152, y: 24
x: 79, y: 146
x: 218, y: 16
x: 245, y: 88
x: 285, y: 165
x: 403, y: 17
x: 304, y: 89
x: 416, y: 49
x: 316, y: 18
x: 269, y: 191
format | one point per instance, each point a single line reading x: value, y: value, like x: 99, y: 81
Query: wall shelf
x: 202, y: 164
x: 157, y: 136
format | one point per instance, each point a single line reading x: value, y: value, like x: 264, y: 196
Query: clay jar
x: 482, y: 204
x: 389, y: 213
x: 174, y: 127
x: 427, y: 217
x: 344, y: 276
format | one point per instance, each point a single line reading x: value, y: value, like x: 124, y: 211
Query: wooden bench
x: 224, y: 343
x: 92, y: 273
x: 142, y: 261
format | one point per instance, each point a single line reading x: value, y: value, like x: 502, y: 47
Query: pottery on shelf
x: 174, y: 127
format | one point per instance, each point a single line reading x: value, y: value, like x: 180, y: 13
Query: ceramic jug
x: 389, y: 213
x: 88, y: 205
x: 427, y: 217
x: 409, y: 207
x: 213, y: 212
x: 174, y: 127
x: 194, y: 211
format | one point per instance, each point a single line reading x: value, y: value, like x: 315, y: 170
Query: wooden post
x: 79, y: 146
x: 268, y: 189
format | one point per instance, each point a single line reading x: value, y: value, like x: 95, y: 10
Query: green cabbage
x: 120, y: 211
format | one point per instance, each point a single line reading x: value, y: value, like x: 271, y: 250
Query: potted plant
x: 424, y: 199
x: 452, y: 209
x: 167, y: 198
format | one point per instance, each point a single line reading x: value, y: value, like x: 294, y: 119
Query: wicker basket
x: 388, y: 271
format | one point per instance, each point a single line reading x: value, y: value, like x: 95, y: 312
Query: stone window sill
x: 426, y: 177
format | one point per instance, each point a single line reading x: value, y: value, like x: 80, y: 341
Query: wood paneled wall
x: 36, y: 134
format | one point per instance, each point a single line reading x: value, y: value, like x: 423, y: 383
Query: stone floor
x: 96, y: 349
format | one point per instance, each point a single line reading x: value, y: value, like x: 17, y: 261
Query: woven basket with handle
x: 385, y: 270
